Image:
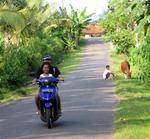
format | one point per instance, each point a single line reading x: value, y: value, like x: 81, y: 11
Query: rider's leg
x: 59, y: 103
x: 37, y: 101
x: 107, y: 76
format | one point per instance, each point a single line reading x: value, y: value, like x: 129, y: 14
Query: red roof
x: 93, y: 29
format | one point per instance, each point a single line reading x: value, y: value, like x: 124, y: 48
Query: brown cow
x: 125, y: 68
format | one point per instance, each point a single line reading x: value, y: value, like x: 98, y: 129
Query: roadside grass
x: 69, y: 62
x: 72, y: 59
x: 7, y: 95
x: 133, y: 109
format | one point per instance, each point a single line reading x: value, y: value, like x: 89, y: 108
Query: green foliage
x: 141, y: 59
x: 28, y: 31
x: 67, y: 62
x: 13, y: 19
x: 17, y: 3
x: 123, y: 40
x: 1, y: 45
x: 79, y: 22
x: 15, y: 66
x: 143, y: 15
x: 70, y: 29
x: 118, y: 25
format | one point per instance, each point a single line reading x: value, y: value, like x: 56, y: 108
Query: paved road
x: 88, y: 104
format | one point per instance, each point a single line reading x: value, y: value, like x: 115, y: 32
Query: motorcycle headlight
x: 46, y: 82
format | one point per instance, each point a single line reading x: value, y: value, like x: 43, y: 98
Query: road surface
x: 88, y: 104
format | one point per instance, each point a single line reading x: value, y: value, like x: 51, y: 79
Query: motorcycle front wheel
x: 49, y: 118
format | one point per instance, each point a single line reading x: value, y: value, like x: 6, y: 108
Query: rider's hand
x: 61, y: 79
x: 33, y: 81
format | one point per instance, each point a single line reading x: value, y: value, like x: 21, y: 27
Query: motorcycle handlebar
x: 52, y: 79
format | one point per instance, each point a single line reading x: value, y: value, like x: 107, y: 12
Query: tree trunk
x: 77, y: 38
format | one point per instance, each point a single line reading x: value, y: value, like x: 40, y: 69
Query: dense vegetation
x: 127, y: 25
x: 28, y: 30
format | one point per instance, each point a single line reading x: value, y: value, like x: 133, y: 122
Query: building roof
x: 93, y: 29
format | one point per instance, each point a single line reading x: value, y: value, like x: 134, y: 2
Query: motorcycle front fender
x: 48, y: 105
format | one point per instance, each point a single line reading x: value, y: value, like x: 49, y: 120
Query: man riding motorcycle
x: 56, y: 73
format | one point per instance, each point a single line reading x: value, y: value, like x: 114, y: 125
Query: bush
x: 123, y: 40
x: 15, y: 66
x: 18, y: 61
x: 140, y: 57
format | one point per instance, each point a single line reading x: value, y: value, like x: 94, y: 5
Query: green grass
x: 7, y: 95
x: 133, y: 109
x: 69, y: 62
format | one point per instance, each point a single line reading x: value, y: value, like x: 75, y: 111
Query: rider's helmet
x: 47, y: 57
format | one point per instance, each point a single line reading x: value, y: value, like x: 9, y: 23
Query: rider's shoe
x: 38, y: 112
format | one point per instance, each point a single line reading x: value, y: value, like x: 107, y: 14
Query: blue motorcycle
x: 48, y: 104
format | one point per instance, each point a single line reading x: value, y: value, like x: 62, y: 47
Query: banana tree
x: 79, y: 22
x: 19, y: 4
x: 23, y: 23
x: 11, y: 23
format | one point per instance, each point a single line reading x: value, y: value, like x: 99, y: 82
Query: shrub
x: 19, y: 61
x: 123, y: 40
x: 15, y: 66
x: 140, y: 57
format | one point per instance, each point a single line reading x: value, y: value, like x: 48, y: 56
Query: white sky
x: 93, y: 6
